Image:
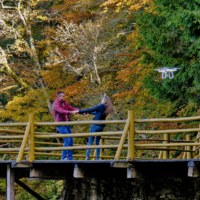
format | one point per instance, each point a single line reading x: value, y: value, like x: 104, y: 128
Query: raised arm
x: 93, y: 113
x: 92, y: 110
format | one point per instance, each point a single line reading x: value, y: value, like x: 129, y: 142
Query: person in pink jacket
x: 62, y: 110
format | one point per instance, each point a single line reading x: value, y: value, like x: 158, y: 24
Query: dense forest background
x: 87, y: 48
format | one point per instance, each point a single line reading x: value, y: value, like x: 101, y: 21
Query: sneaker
x: 87, y: 158
x: 65, y: 158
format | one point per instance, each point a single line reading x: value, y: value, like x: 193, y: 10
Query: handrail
x: 79, y: 134
x: 12, y: 149
x: 78, y: 147
x: 162, y: 149
x: 159, y: 140
x: 11, y: 131
x: 166, y: 145
x: 184, y: 119
x: 10, y: 141
x: 55, y: 144
x: 12, y: 124
x: 167, y: 131
x: 12, y: 137
x: 80, y: 122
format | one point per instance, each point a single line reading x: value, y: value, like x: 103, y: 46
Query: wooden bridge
x: 125, y: 163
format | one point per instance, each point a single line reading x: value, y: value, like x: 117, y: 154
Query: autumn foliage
x: 87, y: 48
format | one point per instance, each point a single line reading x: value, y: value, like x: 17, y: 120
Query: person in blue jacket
x: 101, y: 111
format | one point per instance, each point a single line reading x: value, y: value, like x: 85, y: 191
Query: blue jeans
x: 67, y: 141
x: 94, y: 128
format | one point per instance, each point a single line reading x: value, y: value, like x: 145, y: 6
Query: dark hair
x: 59, y: 93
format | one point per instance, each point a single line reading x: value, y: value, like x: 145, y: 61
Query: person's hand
x: 74, y: 112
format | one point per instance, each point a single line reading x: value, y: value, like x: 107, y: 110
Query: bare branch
x: 10, y: 72
x: 7, y: 7
x: 84, y: 48
x: 20, y: 13
x: 9, y: 87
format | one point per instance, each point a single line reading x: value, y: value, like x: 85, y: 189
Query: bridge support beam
x: 78, y: 172
x: 29, y: 190
x: 10, y: 180
x: 132, y: 173
x: 22, y: 165
x: 192, y: 170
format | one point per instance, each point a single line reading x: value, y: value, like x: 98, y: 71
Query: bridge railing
x: 15, y: 137
x: 102, y: 146
x: 191, y: 146
x: 28, y: 142
x: 29, y: 139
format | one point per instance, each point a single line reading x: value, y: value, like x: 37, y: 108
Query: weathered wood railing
x: 29, y: 139
x: 164, y: 147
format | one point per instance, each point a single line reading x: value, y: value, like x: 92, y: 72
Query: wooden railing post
x: 166, y: 153
x: 198, y: 134
x: 160, y: 155
x: 24, y: 142
x: 31, y: 139
x: 131, y: 135
x: 95, y: 154
x: 122, y: 141
x: 194, y: 147
x: 102, y: 150
x: 185, y: 153
x: 198, y: 141
x: 189, y: 154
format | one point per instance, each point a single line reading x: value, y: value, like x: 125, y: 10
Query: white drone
x: 167, y: 71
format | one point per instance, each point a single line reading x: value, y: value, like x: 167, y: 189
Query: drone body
x: 167, y: 72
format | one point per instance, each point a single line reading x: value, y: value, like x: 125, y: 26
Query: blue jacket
x: 98, y: 111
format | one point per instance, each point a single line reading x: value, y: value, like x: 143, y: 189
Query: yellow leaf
x: 42, y: 17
